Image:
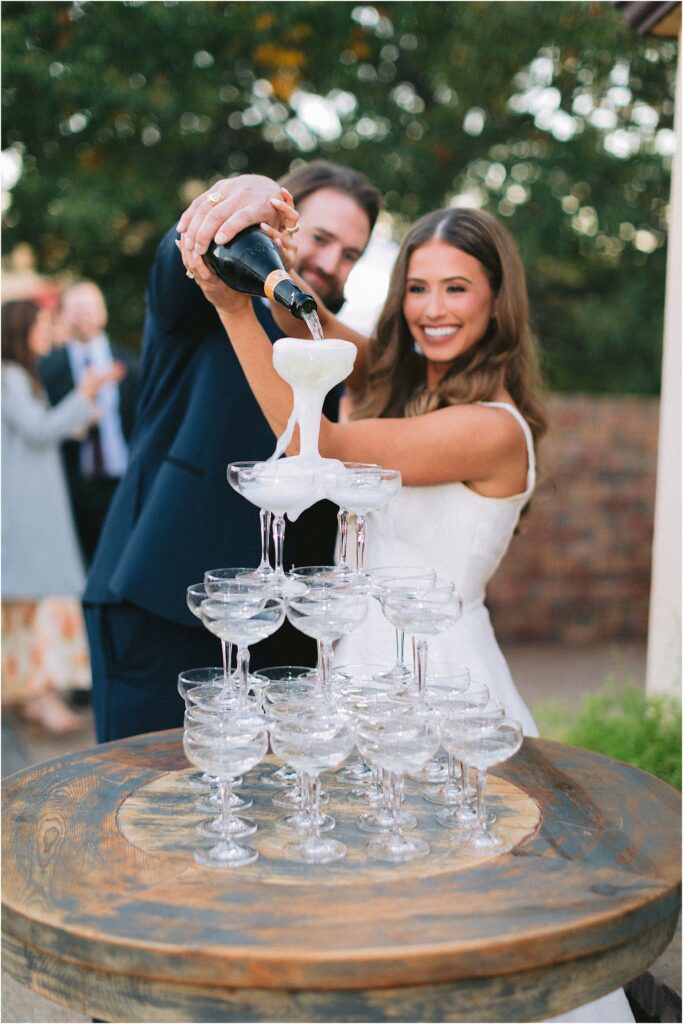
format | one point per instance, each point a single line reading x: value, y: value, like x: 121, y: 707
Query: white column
x: 664, y: 633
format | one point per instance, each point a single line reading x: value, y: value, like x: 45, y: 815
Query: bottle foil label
x: 273, y: 280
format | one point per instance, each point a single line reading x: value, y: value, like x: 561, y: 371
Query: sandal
x: 50, y: 713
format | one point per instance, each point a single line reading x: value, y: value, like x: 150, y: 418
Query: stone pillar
x: 664, y: 633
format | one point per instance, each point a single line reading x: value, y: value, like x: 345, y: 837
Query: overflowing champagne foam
x: 311, y: 368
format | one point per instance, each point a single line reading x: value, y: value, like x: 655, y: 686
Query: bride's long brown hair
x: 505, y: 357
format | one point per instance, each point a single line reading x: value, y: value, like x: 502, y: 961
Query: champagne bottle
x: 251, y: 263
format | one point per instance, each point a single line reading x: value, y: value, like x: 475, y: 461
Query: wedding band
x: 188, y: 274
x: 292, y: 231
x: 215, y: 198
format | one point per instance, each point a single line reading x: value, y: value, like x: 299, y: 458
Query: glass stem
x: 314, y: 789
x: 325, y: 667
x: 482, y: 778
x: 225, y: 791
x: 465, y: 781
x: 343, y: 524
x: 226, y: 662
x: 400, y: 648
x: 361, y: 533
x: 421, y: 652
x: 451, y: 771
x: 396, y: 798
x: 279, y: 543
x: 265, y: 518
x: 243, y: 673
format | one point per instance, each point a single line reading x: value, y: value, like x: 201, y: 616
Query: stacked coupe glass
x: 374, y: 726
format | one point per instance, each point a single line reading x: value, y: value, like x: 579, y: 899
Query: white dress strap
x: 531, y: 455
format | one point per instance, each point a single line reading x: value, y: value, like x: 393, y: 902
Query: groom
x: 174, y: 515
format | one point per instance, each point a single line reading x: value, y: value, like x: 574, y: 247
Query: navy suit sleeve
x: 173, y: 299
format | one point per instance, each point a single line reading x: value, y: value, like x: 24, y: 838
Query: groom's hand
x: 226, y: 208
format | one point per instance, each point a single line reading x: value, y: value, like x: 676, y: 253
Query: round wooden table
x: 105, y: 910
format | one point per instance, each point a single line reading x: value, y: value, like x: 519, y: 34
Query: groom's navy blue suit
x: 174, y: 514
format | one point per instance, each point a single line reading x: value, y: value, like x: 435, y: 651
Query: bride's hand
x: 284, y: 237
x: 224, y: 298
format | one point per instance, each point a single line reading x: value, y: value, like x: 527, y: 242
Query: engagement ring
x: 215, y: 197
x: 292, y: 231
x: 188, y: 274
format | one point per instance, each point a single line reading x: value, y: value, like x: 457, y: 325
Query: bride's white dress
x: 463, y: 536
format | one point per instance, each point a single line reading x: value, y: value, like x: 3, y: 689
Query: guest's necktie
x: 94, y: 460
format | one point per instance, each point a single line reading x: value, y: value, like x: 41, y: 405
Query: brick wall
x: 579, y: 570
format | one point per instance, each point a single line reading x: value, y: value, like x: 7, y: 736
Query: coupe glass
x: 469, y: 696
x: 456, y: 716
x: 398, y: 745
x: 423, y: 614
x: 298, y: 796
x: 319, y: 577
x: 327, y: 614
x: 187, y: 681
x: 242, y: 615
x: 281, y: 487
x: 210, y: 800
x: 284, y: 683
x: 359, y: 490
x: 313, y: 745
x: 482, y: 750
x: 343, y: 568
x: 376, y: 796
x: 226, y: 749
x: 389, y: 579
x: 194, y: 595
x: 356, y: 683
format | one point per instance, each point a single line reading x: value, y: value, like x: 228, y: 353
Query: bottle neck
x: 290, y: 296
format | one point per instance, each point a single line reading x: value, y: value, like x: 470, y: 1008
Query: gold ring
x: 215, y: 198
x: 188, y: 274
x: 292, y: 231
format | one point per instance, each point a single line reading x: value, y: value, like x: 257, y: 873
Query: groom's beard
x: 327, y: 287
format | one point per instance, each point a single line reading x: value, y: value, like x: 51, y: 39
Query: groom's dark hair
x: 309, y: 178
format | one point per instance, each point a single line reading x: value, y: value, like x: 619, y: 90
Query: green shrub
x: 624, y: 723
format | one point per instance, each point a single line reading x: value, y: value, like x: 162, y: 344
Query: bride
x: 447, y: 392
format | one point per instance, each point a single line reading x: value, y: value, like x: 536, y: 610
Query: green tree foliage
x: 554, y: 116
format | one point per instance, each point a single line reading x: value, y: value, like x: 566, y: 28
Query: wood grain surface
x: 105, y: 910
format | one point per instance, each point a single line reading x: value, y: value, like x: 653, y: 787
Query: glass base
x: 315, y: 851
x: 226, y: 855
x: 371, y: 796
x: 292, y: 798
x: 397, y: 848
x: 282, y: 777
x: 201, y: 781
x: 383, y: 821
x: 399, y: 676
x: 433, y: 771
x: 448, y: 795
x: 480, y: 843
x: 464, y: 817
x: 211, y: 804
x: 300, y: 823
x: 357, y: 771
x: 236, y: 827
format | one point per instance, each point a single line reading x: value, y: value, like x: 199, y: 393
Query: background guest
x: 43, y: 639
x: 94, y: 464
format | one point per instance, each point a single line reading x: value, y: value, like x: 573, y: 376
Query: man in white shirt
x: 94, y: 465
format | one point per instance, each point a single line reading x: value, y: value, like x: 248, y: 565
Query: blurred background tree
x: 554, y: 116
